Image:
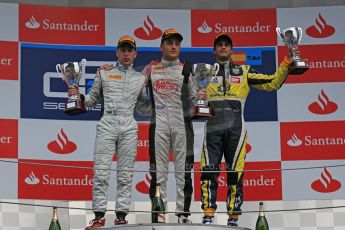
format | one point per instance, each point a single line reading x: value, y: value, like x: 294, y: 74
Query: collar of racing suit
x: 227, y: 66
x: 123, y: 67
x: 170, y: 63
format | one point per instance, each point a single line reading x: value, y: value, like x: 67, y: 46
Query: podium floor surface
x: 175, y: 226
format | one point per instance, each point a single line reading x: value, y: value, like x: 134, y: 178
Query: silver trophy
x: 291, y: 38
x: 71, y: 73
x: 202, y: 74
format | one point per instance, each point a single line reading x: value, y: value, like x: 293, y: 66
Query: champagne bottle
x: 158, y: 206
x: 261, y: 223
x: 54, y: 224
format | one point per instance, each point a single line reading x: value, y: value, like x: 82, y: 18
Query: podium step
x: 174, y: 226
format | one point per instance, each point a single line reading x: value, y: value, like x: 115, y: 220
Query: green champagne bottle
x: 261, y: 223
x: 54, y: 224
x: 158, y: 206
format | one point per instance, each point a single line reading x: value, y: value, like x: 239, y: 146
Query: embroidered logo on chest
x: 115, y: 76
x: 165, y: 86
x: 235, y: 70
x: 235, y: 80
x: 158, y: 68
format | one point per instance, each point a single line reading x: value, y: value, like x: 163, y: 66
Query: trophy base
x: 202, y: 112
x: 298, y: 67
x: 74, y: 107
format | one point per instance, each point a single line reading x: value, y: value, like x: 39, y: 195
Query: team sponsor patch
x: 236, y: 70
x: 158, y: 68
x: 165, y: 86
x: 115, y: 76
x: 235, y: 79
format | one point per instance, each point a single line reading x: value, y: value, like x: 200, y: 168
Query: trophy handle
x: 280, y: 33
x: 300, y: 32
x: 83, y: 66
x: 59, y: 71
x: 216, y: 69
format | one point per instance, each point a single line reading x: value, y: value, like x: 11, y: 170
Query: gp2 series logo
x: 49, y: 89
x: 47, y: 81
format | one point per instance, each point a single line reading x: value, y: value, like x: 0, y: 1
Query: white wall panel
x: 56, y: 139
x: 318, y: 183
x: 8, y: 22
x: 264, y: 141
x: 10, y: 99
x: 311, y: 102
x: 146, y: 25
x: 8, y: 179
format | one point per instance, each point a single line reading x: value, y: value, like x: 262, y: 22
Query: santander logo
x: 321, y: 29
x: 323, y: 105
x: 294, y: 141
x: 204, y: 28
x: 326, y: 184
x: 310, y: 140
x: 32, y: 179
x: 32, y: 23
x: 144, y: 185
x: 62, y: 145
x: 148, y: 31
x: 62, y: 26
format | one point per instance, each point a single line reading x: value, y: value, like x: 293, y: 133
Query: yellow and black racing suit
x: 226, y: 133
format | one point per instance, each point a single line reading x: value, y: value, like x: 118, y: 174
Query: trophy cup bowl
x: 291, y: 38
x: 202, y: 74
x: 71, y: 73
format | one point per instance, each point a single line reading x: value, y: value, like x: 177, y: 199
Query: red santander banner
x: 245, y: 27
x: 143, y: 142
x: 264, y: 184
x: 319, y: 140
x: 48, y: 24
x: 326, y: 63
x: 8, y: 60
x: 8, y: 138
x: 55, y: 182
